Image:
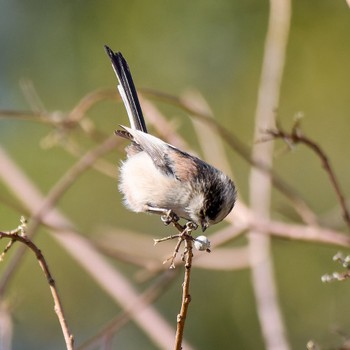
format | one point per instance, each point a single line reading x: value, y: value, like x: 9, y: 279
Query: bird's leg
x: 167, y: 215
x: 191, y: 226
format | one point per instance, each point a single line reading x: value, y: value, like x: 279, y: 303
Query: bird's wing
x: 157, y: 149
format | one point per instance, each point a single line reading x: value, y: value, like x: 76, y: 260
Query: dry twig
x: 186, y: 297
x: 296, y: 136
x: 183, y: 236
x: 18, y: 235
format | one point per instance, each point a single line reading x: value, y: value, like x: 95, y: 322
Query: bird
x: 159, y: 178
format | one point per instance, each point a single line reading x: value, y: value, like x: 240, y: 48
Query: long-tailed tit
x: 158, y: 177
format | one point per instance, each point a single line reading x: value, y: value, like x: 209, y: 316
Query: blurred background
x: 52, y: 55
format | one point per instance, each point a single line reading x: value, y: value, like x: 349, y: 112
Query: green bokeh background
x: 215, y: 47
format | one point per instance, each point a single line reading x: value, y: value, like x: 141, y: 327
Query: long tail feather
x: 127, y: 90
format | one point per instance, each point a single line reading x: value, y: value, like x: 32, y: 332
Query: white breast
x: 142, y: 184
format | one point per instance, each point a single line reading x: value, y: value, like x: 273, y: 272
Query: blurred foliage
x: 216, y: 48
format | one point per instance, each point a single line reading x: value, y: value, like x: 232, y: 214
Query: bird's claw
x: 169, y: 217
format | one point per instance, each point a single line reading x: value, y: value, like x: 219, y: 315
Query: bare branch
x: 295, y: 137
x: 186, y: 297
x: 18, y: 236
x: 184, y: 235
x: 262, y: 271
x: 146, y: 298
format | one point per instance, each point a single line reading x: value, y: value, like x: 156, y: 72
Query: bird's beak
x: 204, y: 224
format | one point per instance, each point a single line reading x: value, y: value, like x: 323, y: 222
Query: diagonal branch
x: 296, y: 136
x: 17, y: 236
x: 54, y: 196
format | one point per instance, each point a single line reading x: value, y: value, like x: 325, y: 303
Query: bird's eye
x: 212, y: 212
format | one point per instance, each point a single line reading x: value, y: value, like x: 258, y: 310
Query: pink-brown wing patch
x: 185, y: 167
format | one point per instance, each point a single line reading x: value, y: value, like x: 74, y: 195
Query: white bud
x: 337, y: 276
x: 338, y: 256
x: 326, y: 278
x: 202, y: 243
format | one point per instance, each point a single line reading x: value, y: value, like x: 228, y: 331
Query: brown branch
x: 295, y: 137
x: 186, y: 297
x: 18, y: 236
x: 184, y: 235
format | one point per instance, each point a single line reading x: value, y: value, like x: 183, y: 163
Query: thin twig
x: 296, y: 136
x: 184, y: 235
x: 17, y: 236
x: 186, y: 297
x: 176, y: 250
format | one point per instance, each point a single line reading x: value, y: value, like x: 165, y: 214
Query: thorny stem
x: 18, y: 235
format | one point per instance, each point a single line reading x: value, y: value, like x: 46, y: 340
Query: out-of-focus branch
x: 265, y: 289
x: 25, y: 115
x: 73, y: 119
x: 6, y: 327
x: 148, y: 297
x: 164, y: 127
x: 89, y: 100
x: 213, y: 151
x: 54, y: 195
x: 296, y: 136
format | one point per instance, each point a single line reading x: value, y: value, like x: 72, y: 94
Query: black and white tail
x: 127, y: 90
